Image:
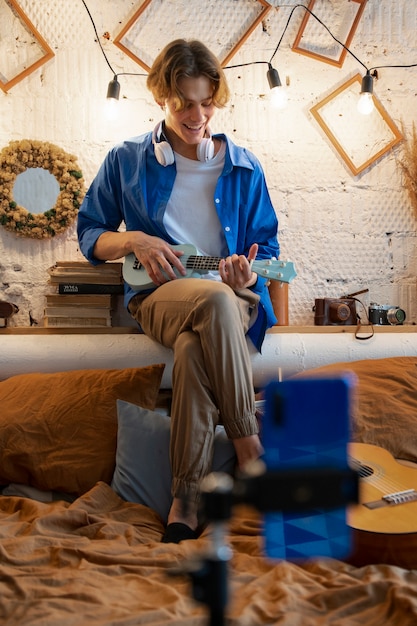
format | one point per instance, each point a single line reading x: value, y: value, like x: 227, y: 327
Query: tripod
x: 293, y: 490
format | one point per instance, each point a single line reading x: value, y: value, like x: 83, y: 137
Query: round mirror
x: 36, y: 189
x: 41, y: 189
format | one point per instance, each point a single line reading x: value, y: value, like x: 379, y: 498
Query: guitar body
x: 195, y: 265
x: 384, y: 531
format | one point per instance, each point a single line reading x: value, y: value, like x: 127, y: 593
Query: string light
x: 301, y: 6
x: 113, y: 90
x: 366, y: 99
x: 278, y: 93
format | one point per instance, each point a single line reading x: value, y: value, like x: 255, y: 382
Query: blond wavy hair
x: 186, y: 59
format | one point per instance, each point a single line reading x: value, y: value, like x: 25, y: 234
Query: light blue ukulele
x: 137, y: 277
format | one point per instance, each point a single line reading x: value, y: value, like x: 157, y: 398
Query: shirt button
x: 217, y: 200
x: 227, y: 229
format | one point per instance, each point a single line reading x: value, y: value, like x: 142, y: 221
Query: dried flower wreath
x: 15, y: 159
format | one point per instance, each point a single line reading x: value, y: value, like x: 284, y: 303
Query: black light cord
x: 297, y: 6
x: 129, y: 74
x: 269, y: 63
x: 102, y: 49
x: 98, y: 38
x: 381, y: 67
x: 230, y: 67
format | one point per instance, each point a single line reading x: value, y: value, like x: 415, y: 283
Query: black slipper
x: 177, y: 532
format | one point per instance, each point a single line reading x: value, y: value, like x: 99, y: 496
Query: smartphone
x: 305, y: 434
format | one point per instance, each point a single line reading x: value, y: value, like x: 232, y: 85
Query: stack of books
x: 84, y: 294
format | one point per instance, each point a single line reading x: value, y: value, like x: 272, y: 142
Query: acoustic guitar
x: 385, y: 522
x: 138, y: 279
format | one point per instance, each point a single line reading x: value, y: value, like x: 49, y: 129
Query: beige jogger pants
x: 205, y: 323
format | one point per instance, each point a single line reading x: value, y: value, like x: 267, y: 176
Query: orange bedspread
x: 99, y: 561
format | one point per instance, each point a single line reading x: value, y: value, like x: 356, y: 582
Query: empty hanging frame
x: 223, y: 25
x: 342, y: 19
x: 30, y: 50
x: 359, y: 139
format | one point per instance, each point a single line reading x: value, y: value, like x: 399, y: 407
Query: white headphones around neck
x: 164, y: 153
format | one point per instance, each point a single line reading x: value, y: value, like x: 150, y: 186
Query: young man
x: 181, y: 184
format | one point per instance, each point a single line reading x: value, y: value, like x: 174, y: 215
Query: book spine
x: 85, y: 288
x: 64, y: 322
x: 76, y: 311
x: 86, y: 279
x: 104, y: 267
x: 95, y: 300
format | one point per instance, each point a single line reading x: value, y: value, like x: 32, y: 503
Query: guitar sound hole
x: 365, y: 471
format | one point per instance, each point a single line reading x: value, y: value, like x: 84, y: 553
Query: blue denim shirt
x: 131, y: 186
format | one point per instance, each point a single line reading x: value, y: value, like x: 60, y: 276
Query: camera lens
x: 339, y: 312
x: 395, y: 316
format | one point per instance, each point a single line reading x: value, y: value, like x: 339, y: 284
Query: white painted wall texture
x: 344, y: 233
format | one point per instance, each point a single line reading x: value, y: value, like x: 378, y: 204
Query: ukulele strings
x: 201, y: 262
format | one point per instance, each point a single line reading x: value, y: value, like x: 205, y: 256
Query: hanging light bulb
x: 366, y: 100
x: 113, y: 92
x: 278, y: 93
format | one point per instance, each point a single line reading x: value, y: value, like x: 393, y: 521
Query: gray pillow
x: 143, y: 471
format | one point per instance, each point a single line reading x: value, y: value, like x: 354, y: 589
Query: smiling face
x: 185, y: 127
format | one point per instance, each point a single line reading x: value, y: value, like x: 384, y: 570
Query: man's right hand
x: 155, y: 254
x: 158, y: 258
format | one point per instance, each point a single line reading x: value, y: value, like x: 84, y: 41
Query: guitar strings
x: 385, y: 485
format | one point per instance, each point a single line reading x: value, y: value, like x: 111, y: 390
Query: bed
x: 84, y: 499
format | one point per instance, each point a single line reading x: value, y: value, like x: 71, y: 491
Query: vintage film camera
x: 335, y: 312
x: 385, y: 314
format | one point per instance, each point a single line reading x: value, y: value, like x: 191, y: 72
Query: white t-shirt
x: 190, y: 215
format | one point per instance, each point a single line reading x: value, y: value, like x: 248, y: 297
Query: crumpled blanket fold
x: 99, y: 561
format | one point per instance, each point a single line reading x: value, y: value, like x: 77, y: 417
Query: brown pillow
x: 58, y: 432
x: 384, y: 407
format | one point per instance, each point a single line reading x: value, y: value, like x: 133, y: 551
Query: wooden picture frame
x: 359, y: 139
x: 312, y: 39
x: 149, y: 10
x: 46, y: 51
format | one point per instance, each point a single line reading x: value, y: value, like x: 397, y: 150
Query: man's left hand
x: 235, y: 270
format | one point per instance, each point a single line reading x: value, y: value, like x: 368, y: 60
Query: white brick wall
x: 343, y: 232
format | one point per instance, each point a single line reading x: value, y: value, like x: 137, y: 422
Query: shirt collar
x: 236, y: 156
